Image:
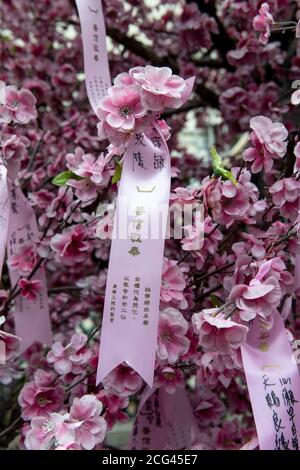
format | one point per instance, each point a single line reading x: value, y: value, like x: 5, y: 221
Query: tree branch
x: 222, y: 41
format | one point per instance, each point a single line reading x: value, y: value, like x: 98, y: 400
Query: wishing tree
x: 195, y: 336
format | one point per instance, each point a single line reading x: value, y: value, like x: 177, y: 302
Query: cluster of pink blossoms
x: 263, y: 23
x: 239, y: 264
x: 17, y: 106
x: 81, y: 429
x: 269, y: 142
x: 136, y: 99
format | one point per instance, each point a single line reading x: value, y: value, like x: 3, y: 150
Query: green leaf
x: 62, y: 178
x: 216, y: 159
x: 117, y: 174
x: 218, y: 167
x: 215, y: 300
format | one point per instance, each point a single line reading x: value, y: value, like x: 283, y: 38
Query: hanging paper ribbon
x: 96, y: 68
x: 274, y: 385
x: 32, y: 320
x: 18, y: 226
x: 4, y: 213
x: 164, y: 421
x: 130, y: 317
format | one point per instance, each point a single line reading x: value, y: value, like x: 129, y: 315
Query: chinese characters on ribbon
x: 164, y: 421
x: 97, y: 76
x: 274, y: 385
x: 32, y: 322
x: 130, y: 317
x: 280, y: 399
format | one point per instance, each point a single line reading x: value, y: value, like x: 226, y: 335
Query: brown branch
x: 57, y: 290
x: 198, y: 281
x: 222, y: 41
x: 11, y: 426
x: 136, y: 47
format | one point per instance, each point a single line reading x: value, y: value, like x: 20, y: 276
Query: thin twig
x: 11, y: 426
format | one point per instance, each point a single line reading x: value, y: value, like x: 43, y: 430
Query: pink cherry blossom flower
x: 269, y: 142
x: 159, y: 87
x: 183, y: 196
x: 193, y: 237
x: 114, y: 406
x: 91, y: 428
x: 224, y: 436
x: 14, y: 150
x: 123, y: 381
x: 123, y: 80
x: 85, y: 190
x: 276, y: 267
x: 172, y: 339
x: 216, y: 333
x: 50, y: 431
x: 71, y: 245
x: 172, y: 283
x: 261, y: 297
x: 195, y: 28
x: 170, y: 379
x: 59, y: 206
x: 204, y: 238
x: 81, y: 429
x: 121, y: 108
x: 24, y: 259
x: 263, y: 23
x: 216, y: 367
x: 164, y: 129
x: 253, y: 245
x: 65, y: 75
x: 286, y: 196
x: 70, y: 358
x: 41, y: 396
x: 208, y: 407
x: 9, y: 345
x: 29, y: 289
x: 229, y: 202
x: 15, y: 105
x: 89, y: 167
x: 105, y: 227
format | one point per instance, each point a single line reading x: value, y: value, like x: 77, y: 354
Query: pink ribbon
x: 32, y: 320
x: 164, y: 421
x: 130, y: 317
x: 274, y: 385
x: 96, y: 68
x: 18, y: 226
x: 4, y: 213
